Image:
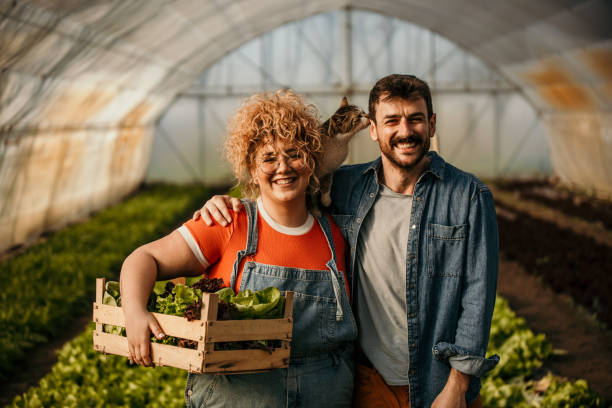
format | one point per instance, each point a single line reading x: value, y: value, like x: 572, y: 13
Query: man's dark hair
x: 399, y: 86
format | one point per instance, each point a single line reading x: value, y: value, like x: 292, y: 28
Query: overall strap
x: 251, y: 244
x: 332, y: 264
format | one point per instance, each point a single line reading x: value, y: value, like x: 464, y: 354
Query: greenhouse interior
x: 113, y: 124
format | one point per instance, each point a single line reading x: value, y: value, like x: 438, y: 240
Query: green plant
x: 83, y: 377
x: 520, y: 350
x: 510, y: 383
x: 44, y: 288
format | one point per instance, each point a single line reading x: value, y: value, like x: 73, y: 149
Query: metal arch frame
x: 346, y: 84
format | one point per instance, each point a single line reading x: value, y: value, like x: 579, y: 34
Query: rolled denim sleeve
x: 463, y: 360
x: 467, y: 354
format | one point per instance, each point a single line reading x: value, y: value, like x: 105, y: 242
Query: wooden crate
x: 206, y: 332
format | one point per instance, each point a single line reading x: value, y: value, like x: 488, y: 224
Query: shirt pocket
x: 446, y: 250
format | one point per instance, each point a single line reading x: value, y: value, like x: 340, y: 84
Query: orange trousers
x: 371, y: 391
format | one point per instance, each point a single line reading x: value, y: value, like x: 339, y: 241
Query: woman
x: 273, y: 146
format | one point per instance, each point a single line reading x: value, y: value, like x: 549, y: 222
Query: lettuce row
x: 84, y: 377
x: 510, y: 383
x: 47, y: 286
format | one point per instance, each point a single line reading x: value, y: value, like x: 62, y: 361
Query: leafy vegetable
x: 510, y: 384
x: 83, y: 377
x: 186, y: 301
x: 181, y: 297
x: 263, y: 304
x: 563, y: 394
x: 520, y: 350
x: 46, y: 287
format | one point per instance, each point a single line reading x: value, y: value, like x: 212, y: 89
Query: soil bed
x: 568, y: 262
x: 588, y: 347
x: 570, y: 203
x: 557, y: 276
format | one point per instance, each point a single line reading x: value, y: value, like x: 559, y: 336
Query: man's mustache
x: 409, y: 139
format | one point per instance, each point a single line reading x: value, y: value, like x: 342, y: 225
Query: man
x: 424, y: 251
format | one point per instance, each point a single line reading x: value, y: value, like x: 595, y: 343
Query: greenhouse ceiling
x: 83, y: 82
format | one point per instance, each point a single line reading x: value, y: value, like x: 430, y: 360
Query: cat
x: 337, y: 132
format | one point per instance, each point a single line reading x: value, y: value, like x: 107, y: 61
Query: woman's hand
x: 218, y: 208
x: 138, y: 327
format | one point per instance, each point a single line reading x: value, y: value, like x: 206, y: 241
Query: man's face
x: 403, y: 131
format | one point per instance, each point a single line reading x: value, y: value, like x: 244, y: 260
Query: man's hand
x: 453, y: 393
x: 217, y: 208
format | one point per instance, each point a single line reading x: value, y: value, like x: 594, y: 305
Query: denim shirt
x: 451, y: 269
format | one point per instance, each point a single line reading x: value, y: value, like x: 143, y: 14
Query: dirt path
x: 589, y: 348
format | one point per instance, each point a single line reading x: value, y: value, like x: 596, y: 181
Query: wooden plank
x: 236, y: 361
x: 171, y: 325
x: 288, y: 304
x: 210, y: 306
x: 161, y: 354
x: 240, y: 330
x: 210, y: 309
x: 100, y: 287
x: 288, y: 315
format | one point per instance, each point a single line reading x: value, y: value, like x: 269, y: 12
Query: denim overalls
x: 320, y: 372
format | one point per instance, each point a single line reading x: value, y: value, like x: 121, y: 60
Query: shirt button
x: 412, y: 286
x: 358, y: 219
x: 413, y: 345
x: 372, y: 195
x: 419, y: 198
x: 412, y: 315
x: 413, y: 226
x: 412, y: 372
x: 411, y: 256
x: 189, y: 392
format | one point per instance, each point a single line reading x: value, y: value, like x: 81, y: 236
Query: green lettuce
x: 112, y: 297
x: 175, y: 304
x: 263, y: 304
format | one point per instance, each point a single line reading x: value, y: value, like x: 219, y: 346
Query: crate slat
x: 289, y: 315
x: 288, y: 304
x: 241, y: 330
x: 237, y: 361
x: 208, y: 313
x: 100, y: 287
x: 175, y: 326
x: 161, y: 354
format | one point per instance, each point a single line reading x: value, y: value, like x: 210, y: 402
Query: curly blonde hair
x: 269, y: 118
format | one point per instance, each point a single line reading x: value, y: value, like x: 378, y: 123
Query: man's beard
x: 423, y: 143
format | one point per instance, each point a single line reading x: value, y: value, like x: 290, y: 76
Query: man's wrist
x: 458, y: 380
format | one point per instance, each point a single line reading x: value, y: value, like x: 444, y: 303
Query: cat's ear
x: 344, y: 102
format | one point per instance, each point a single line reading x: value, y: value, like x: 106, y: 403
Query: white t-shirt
x: 381, y: 290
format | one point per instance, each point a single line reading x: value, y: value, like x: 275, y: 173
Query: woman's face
x: 281, y: 173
